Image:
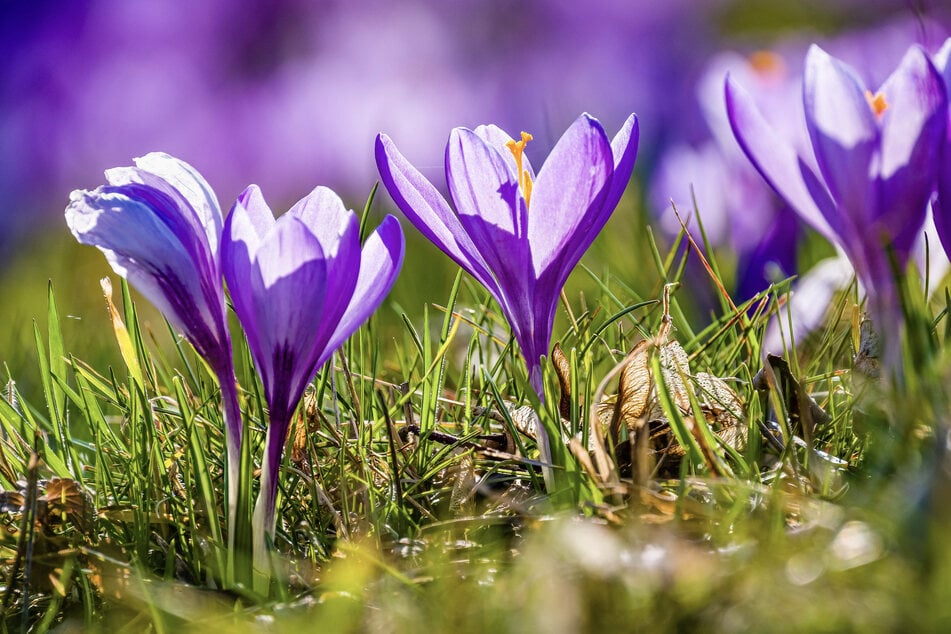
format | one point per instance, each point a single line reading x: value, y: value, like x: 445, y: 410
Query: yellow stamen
x: 767, y: 63
x: 517, y: 148
x: 876, y: 102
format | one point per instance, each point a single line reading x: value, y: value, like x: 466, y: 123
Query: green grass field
x: 411, y: 496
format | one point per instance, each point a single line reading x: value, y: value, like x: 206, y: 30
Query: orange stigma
x: 767, y: 63
x: 517, y: 148
x: 876, y: 102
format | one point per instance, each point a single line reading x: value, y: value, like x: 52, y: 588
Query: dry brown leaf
x: 867, y: 358
x: 722, y: 408
x: 634, y: 391
x: 63, y: 501
x: 66, y: 500
x: 525, y: 420
x: 637, y: 406
x: 306, y: 424
x: 674, y: 368
x: 563, y: 371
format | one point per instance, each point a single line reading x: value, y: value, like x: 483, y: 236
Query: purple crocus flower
x: 942, y: 205
x: 866, y: 177
x: 518, y: 235
x: 739, y: 211
x: 159, y: 225
x: 300, y: 286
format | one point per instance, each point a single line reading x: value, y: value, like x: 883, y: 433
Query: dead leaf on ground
x: 638, y: 410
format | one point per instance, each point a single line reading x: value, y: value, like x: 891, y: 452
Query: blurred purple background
x: 289, y: 94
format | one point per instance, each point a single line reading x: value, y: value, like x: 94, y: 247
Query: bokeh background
x: 290, y: 94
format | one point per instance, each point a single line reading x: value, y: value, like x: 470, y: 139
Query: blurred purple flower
x: 300, y: 286
x: 518, y: 235
x: 159, y: 226
x: 869, y: 173
x: 737, y: 208
x: 241, y: 86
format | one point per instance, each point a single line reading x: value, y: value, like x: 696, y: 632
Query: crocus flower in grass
x: 519, y: 235
x: 865, y: 178
x: 300, y: 286
x: 159, y: 226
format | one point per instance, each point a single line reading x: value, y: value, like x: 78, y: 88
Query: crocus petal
x: 338, y: 231
x: 942, y: 205
x: 380, y: 263
x: 425, y: 207
x: 294, y: 273
x: 196, y: 191
x: 239, y: 246
x: 259, y: 216
x: 249, y: 221
x: 343, y: 270
x: 492, y: 211
x: 778, y: 163
x: 496, y: 137
x: 483, y: 186
x: 323, y: 211
x: 145, y: 250
x: 293, y: 281
x: 624, y: 152
x: 169, y: 207
x: 570, y: 192
x: 917, y: 104
x: 624, y: 149
x: 134, y: 239
x: 844, y: 134
x: 913, y: 132
x: 195, y: 203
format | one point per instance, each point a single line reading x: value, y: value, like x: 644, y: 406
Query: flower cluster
x: 862, y: 173
x: 300, y: 285
x: 867, y: 168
